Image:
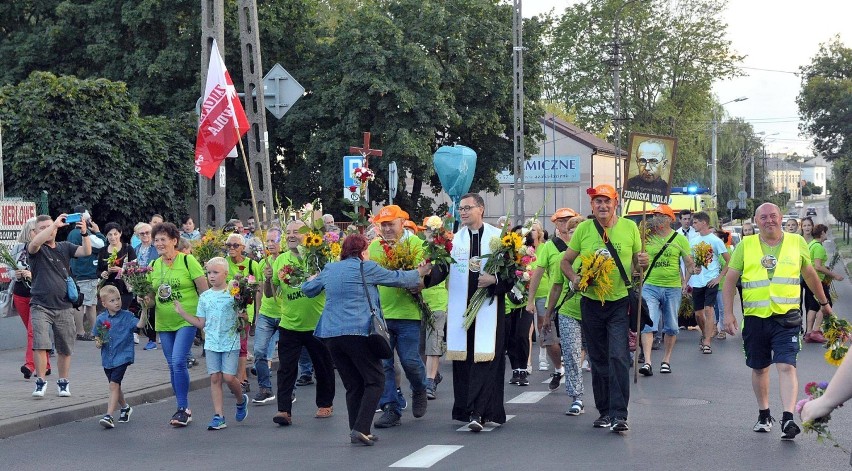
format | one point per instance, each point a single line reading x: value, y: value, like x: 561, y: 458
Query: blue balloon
x: 455, y: 166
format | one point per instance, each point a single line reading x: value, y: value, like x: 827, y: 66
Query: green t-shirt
x: 397, y: 303
x: 625, y: 239
x: 666, y: 271
x: 180, y: 277
x: 437, y: 297
x: 548, y: 257
x: 817, y: 251
x: 571, y: 307
x: 270, y: 306
x: 298, y: 312
x: 737, y: 262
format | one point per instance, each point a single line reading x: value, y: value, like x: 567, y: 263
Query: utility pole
x: 257, y: 137
x: 518, y: 108
x: 211, y: 193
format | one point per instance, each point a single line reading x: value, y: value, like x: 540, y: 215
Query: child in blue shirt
x: 217, y: 315
x: 113, y: 331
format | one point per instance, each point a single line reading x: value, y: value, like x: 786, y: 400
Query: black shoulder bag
x: 378, y: 339
x: 633, y: 297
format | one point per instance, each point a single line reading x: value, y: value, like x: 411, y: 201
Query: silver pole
x: 713, y: 155
x: 2, y: 178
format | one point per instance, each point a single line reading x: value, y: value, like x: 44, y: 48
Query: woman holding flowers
x: 111, y: 258
x: 345, y: 324
x: 175, y: 277
x: 145, y: 256
x: 605, y: 298
x: 819, y: 257
x: 238, y: 263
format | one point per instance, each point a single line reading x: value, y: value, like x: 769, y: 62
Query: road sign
x: 732, y: 204
x: 742, y: 195
x: 393, y: 181
x: 350, y: 163
x: 280, y: 91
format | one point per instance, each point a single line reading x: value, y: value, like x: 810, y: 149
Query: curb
x: 20, y: 425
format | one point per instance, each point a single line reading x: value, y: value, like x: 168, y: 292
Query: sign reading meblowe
x: 13, y: 216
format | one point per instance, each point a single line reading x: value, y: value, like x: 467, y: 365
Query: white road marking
x: 530, y: 397
x: 561, y: 380
x: 426, y: 456
x: 486, y: 427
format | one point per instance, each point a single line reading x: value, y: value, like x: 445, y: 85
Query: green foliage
x: 83, y: 141
x: 825, y: 97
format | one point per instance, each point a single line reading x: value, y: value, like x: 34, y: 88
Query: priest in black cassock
x: 478, y: 358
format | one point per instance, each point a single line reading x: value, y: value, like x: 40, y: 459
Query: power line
x: 771, y: 70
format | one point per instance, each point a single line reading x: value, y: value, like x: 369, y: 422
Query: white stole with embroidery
x: 457, y: 285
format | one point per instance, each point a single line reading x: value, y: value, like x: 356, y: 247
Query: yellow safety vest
x: 763, y: 297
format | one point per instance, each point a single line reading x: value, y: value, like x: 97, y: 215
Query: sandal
x: 705, y: 349
x: 665, y: 368
x: 324, y: 412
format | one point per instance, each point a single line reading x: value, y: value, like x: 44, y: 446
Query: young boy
x: 113, y: 331
x: 217, y: 315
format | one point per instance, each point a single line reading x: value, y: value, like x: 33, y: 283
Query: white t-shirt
x: 711, y: 271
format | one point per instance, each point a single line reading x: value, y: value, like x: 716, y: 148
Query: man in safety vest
x: 769, y: 265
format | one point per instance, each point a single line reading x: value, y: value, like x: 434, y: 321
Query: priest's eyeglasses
x: 465, y: 209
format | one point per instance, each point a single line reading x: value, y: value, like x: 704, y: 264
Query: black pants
x: 605, y: 328
x: 290, y: 343
x: 518, y: 337
x: 362, y: 375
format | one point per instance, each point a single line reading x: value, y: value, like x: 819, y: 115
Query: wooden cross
x: 365, y: 151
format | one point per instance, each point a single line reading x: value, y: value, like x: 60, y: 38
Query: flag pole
x: 248, y: 175
x: 642, y: 236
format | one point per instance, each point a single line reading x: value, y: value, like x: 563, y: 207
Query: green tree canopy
x: 84, y: 142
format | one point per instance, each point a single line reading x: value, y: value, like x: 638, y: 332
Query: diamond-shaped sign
x: 280, y: 91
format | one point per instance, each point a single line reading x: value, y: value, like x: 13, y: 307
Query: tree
x: 84, y: 142
x: 672, y: 55
x: 825, y: 100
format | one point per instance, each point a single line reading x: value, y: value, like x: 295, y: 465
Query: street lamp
x: 713, y: 175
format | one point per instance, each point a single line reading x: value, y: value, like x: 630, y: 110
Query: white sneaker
x: 543, y: 366
x: 40, y: 385
x: 136, y: 338
x: 586, y: 365
x: 62, y: 388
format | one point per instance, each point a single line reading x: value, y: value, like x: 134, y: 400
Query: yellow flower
x: 235, y: 291
x: 335, y: 249
x: 830, y: 357
x: 434, y: 222
x: 312, y: 239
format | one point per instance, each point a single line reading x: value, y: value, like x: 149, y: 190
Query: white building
x: 816, y: 174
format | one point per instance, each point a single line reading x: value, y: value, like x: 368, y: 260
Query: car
x: 799, y: 204
x: 811, y: 211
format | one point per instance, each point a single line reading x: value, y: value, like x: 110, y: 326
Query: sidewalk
x: 147, y: 380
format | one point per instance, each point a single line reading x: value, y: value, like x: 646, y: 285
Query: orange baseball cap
x: 389, y: 213
x: 563, y: 213
x: 411, y: 225
x: 602, y: 190
x: 664, y: 209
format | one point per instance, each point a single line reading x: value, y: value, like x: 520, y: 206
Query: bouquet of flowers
x: 502, y: 262
x: 439, y: 240
x: 6, y: 257
x: 819, y: 426
x: 292, y: 276
x: 595, y: 269
x: 403, y: 255
x: 102, y: 337
x: 837, y: 333
x: 523, y: 272
x: 136, y: 278
x: 703, y: 254
x: 243, y: 289
x: 827, y: 285
x: 211, y: 244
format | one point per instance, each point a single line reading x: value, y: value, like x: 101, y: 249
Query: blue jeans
x: 663, y: 306
x: 176, y: 345
x: 405, y: 339
x: 306, y: 368
x: 265, y: 328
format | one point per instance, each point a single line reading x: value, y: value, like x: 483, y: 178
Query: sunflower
x: 335, y: 250
x: 312, y: 239
x: 834, y: 356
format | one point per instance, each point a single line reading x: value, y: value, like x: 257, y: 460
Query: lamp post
x: 713, y: 172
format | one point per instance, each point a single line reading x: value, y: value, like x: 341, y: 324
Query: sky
x: 779, y: 35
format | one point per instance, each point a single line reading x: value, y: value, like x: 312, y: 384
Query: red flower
x: 107, y: 325
x: 241, y: 267
x: 353, y: 188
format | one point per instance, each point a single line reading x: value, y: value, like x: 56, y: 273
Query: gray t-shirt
x: 50, y: 267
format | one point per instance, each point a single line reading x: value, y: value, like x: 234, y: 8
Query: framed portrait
x: 650, y: 168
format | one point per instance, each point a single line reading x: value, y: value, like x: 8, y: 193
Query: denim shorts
x: 663, y: 306
x: 222, y: 362
x: 766, y: 341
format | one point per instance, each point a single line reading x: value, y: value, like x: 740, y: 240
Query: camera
x: 73, y: 218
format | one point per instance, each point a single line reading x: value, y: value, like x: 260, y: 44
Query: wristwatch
x: 824, y: 304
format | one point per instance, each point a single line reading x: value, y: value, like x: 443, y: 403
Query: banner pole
x: 642, y: 236
x: 248, y: 175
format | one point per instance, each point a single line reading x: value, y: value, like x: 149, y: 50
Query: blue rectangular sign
x: 539, y: 169
x: 350, y: 163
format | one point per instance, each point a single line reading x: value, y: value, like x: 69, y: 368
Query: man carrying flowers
x: 402, y: 313
x: 605, y: 300
x: 706, y: 275
x: 770, y: 264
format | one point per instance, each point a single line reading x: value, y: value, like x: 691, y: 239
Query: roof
x: 779, y: 165
x: 578, y: 134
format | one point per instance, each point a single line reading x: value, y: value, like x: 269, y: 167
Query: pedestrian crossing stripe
x: 530, y: 397
x: 426, y: 456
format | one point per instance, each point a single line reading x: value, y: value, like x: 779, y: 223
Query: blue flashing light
x: 692, y: 189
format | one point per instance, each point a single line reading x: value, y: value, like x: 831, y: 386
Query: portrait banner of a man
x: 650, y: 168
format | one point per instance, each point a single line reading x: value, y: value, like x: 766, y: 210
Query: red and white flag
x: 223, y: 120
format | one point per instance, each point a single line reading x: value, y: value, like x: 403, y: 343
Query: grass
x: 843, y: 247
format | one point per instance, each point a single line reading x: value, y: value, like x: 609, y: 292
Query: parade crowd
x: 317, y: 295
